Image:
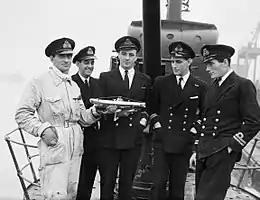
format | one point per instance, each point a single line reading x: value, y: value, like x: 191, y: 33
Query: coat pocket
x: 55, y: 104
x: 55, y: 154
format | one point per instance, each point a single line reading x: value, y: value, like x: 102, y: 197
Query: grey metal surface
x: 233, y: 192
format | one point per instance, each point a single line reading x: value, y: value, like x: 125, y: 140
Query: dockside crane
x: 248, y: 57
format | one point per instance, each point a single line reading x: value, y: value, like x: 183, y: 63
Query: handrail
x: 23, y: 179
x: 23, y: 144
x: 19, y: 170
x: 247, y: 163
x: 27, y: 180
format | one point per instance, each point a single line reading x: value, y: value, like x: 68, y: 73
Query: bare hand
x: 147, y: 129
x: 106, y: 109
x: 193, y: 161
x: 229, y: 149
x: 50, y: 136
x: 111, y: 109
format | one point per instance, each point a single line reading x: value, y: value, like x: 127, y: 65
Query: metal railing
x: 19, y: 170
x: 244, y: 167
x: 249, y: 167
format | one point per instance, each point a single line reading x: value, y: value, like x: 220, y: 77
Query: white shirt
x: 184, y: 80
x: 225, y: 77
x: 131, y: 73
x: 83, y: 78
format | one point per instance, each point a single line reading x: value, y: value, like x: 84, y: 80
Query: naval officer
x: 60, y: 111
x: 121, y: 139
x: 178, y: 100
x: 89, y: 88
x: 230, y: 119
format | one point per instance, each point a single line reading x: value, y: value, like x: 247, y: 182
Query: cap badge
x: 205, y: 52
x: 178, y: 48
x: 90, y: 51
x: 127, y: 42
x: 66, y: 45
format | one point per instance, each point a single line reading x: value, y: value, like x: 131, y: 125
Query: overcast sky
x: 27, y: 26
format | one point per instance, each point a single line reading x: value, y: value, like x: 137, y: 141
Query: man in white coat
x: 57, y: 101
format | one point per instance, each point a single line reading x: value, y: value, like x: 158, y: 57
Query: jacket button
x: 213, y: 134
x: 184, y: 122
x: 169, y: 127
x: 184, y: 129
x: 218, y: 112
x: 215, y: 127
x: 130, y: 124
x: 185, y: 116
x: 117, y: 124
x: 186, y: 109
x: 202, y: 134
x: 171, y: 114
x: 170, y: 120
x: 130, y: 118
x: 203, y: 127
x: 217, y: 120
x: 204, y: 119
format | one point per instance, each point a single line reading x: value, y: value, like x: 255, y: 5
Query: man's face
x: 180, y: 66
x: 127, y: 58
x: 62, y: 62
x: 86, y: 67
x: 216, y: 69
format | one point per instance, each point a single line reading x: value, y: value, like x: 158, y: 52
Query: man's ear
x: 77, y: 63
x: 189, y: 61
x: 225, y: 62
x: 51, y: 58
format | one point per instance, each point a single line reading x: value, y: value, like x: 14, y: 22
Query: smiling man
x: 230, y: 119
x: 85, y: 61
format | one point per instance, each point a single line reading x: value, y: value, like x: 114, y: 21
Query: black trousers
x: 89, y: 164
x: 111, y: 160
x: 88, y: 170
x: 213, y: 175
x: 172, y: 167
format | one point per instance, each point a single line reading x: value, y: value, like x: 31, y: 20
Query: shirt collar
x: 131, y: 71
x: 185, y: 77
x: 83, y: 78
x: 223, y: 78
x: 58, y: 76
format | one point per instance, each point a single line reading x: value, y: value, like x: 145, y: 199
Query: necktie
x: 216, y: 87
x: 86, y: 83
x: 218, y: 80
x: 87, y: 93
x: 126, y: 79
x: 180, y: 81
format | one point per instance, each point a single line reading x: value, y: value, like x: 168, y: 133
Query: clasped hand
x: 50, y: 136
x: 110, y: 109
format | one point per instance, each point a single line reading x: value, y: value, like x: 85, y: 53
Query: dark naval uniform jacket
x: 231, y: 116
x: 125, y: 132
x: 177, y: 110
x: 93, y: 91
